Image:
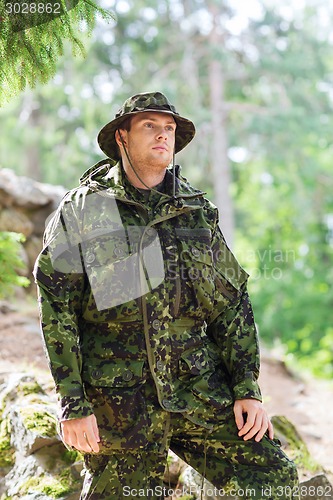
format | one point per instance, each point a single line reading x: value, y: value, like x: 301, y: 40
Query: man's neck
x: 147, y: 180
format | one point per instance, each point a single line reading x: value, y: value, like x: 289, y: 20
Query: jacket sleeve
x: 60, y: 281
x: 232, y: 325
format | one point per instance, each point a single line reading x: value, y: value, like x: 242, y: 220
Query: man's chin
x: 158, y: 164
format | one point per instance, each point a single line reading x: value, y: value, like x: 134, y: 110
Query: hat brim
x: 185, y: 132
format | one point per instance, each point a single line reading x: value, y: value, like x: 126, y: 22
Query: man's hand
x: 256, y: 422
x: 81, y: 433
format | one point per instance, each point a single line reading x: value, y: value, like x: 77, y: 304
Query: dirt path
x: 307, y: 403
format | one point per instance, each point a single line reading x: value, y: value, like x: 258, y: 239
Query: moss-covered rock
x: 53, y: 486
x: 30, y: 387
x: 35, y: 424
x: 16, y: 386
x: 36, y: 418
x: 7, y: 452
x: 294, y: 445
x: 34, y: 463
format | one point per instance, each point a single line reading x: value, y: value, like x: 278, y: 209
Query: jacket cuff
x: 247, y: 388
x: 74, y: 407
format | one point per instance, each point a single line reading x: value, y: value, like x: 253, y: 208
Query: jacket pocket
x: 202, y: 371
x: 111, y: 265
x: 196, y: 271
x: 229, y: 277
x: 115, y: 392
x: 114, y: 373
x: 194, y: 363
x: 228, y: 267
x: 122, y: 266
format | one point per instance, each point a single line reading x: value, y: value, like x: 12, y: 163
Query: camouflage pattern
x: 194, y: 334
x: 253, y: 470
x: 175, y: 357
x: 152, y: 101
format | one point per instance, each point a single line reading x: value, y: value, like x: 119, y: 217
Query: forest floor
x: 306, y: 402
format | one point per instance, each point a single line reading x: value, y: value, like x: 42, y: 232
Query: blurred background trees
x: 256, y: 77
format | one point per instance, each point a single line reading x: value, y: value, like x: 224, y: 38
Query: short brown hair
x: 126, y: 124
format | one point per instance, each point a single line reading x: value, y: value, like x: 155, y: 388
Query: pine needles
x: 31, y: 44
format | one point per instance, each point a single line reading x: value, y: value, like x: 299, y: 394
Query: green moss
x: 52, y: 486
x: 28, y: 386
x: 32, y: 387
x: 71, y: 456
x: 7, y: 453
x: 39, y: 420
x: 296, y: 447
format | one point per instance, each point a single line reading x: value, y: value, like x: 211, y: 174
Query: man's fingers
x: 256, y: 423
x: 91, y: 440
x: 270, y: 430
x: 250, y: 420
x: 251, y: 428
x: 82, y: 443
x: 95, y: 430
x: 81, y: 433
x: 239, y: 419
x: 262, y: 430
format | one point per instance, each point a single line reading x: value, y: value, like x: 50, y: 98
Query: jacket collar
x: 107, y: 175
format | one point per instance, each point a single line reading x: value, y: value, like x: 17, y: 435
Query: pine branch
x: 29, y: 56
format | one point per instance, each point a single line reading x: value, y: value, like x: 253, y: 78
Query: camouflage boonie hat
x: 139, y: 103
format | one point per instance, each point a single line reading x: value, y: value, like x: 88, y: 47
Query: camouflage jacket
x: 137, y: 292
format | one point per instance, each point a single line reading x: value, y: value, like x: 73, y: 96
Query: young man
x: 148, y: 325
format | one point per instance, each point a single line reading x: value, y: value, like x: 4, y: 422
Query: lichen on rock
x: 294, y: 444
x: 54, y: 486
x: 34, y: 463
x: 7, y: 452
x: 36, y: 418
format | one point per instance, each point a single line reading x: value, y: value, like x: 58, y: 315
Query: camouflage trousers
x: 253, y: 471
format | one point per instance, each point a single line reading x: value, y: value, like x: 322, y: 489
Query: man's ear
x: 121, y: 134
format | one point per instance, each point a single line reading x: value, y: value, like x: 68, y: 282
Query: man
x: 148, y: 325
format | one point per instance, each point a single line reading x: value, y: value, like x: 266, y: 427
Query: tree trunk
x: 32, y: 154
x: 219, y: 148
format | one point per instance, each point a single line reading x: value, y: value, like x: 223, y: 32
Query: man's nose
x: 162, y: 134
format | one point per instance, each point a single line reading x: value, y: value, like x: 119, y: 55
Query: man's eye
x: 149, y: 125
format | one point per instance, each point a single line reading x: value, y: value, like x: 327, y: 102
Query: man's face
x: 150, y: 142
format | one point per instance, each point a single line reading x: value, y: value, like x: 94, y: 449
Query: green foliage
x: 30, y: 55
x: 10, y: 263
